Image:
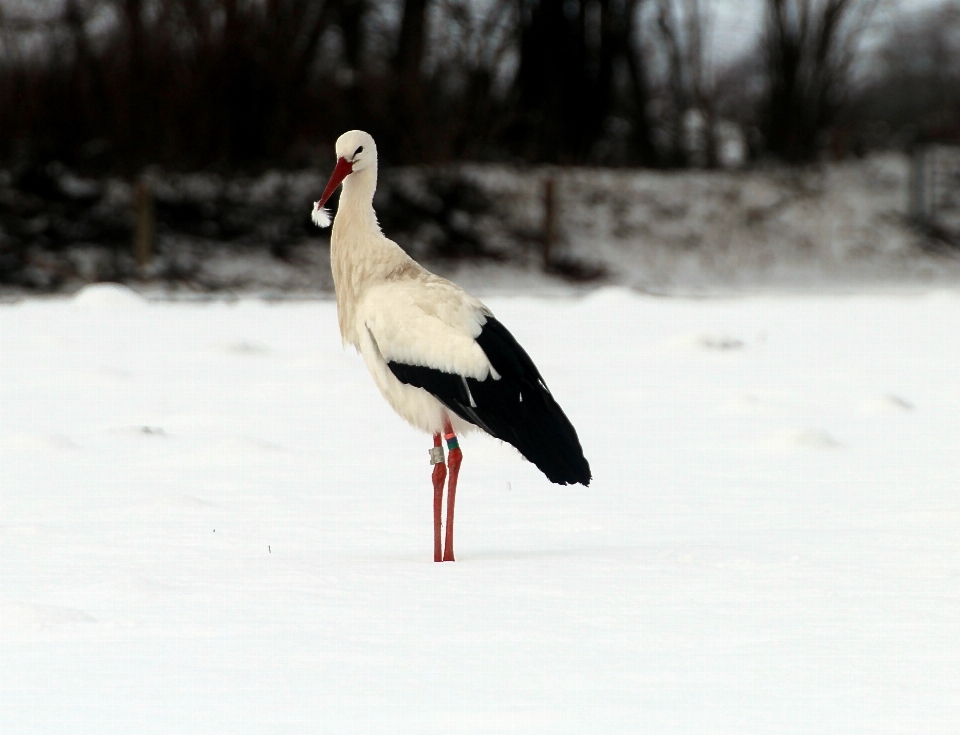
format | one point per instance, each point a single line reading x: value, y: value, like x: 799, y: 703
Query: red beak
x: 343, y: 169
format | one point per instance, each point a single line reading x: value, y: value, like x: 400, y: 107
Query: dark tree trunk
x: 642, y: 137
x: 411, y: 42
x: 808, y: 54
x: 350, y: 14
x: 408, y: 92
x: 133, y: 135
x: 562, y: 95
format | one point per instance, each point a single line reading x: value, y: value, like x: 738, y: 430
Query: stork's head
x: 358, y: 148
x: 356, y: 152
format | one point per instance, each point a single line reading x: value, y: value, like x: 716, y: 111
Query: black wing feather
x: 518, y: 408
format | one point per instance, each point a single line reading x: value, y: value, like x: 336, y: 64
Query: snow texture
x: 210, y: 523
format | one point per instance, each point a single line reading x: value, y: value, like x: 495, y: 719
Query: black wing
x: 518, y: 408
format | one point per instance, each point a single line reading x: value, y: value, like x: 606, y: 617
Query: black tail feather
x: 518, y: 408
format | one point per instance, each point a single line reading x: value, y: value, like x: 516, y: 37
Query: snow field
x: 210, y: 522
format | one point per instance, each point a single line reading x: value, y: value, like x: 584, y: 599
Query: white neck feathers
x: 360, y: 256
x: 357, y: 194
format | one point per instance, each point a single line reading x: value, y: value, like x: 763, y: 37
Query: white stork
x: 438, y: 355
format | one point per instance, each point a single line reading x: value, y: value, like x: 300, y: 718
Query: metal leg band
x: 436, y: 455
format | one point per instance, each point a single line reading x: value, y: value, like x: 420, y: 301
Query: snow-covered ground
x: 211, y: 523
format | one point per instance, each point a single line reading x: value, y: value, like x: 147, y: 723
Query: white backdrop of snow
x: 211, y: 523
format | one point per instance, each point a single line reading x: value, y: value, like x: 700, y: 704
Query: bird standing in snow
x: 438, y: 355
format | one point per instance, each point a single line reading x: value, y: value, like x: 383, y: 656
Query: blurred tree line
x: 113, y: 85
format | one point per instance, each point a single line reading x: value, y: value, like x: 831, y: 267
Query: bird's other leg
x: 439, y: 475
x: 453, y: 462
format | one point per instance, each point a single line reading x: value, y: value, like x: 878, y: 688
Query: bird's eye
x: 358, y: 151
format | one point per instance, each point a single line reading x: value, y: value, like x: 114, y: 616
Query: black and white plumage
x: 437, y: 354
x: 517, y: 408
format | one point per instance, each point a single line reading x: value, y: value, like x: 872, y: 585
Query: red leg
x: 453, y: 460
x: 439, y: 475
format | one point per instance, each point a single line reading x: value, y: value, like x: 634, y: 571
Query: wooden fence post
x: 549, y: 221
x: 144, y: 224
